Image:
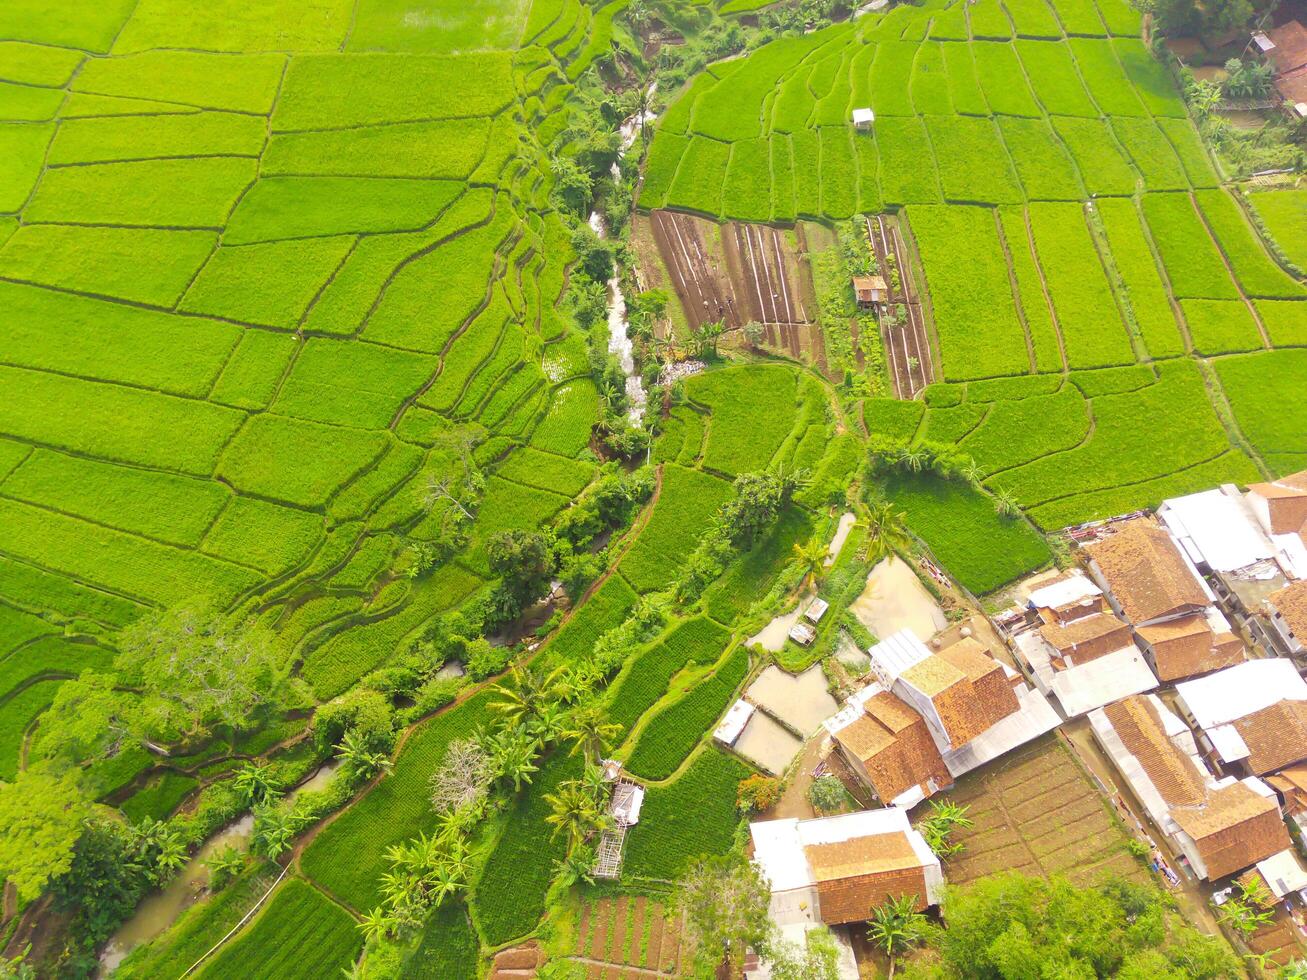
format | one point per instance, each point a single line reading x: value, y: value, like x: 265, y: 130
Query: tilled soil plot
x: 753, y: 275
x: 907, y: 346
x: 628, y: 938
x: 1038, y: 813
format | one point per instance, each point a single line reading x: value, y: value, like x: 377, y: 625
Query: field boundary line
x: 239, y: 925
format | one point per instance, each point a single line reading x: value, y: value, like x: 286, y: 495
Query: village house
x: 1286, y: 615
x: 1080, y: 654
x: 932, y: 715
x: 1219, y: 826
x: 1285, y: 49
x: 1219, y: 532
x: 1290, y: 784
x: 869, y: 290
x: 1281, y: 875
x: 1251, y: 719
x: 888, y: 745
x: 1281, y: 508
x: 1155, y: 587
x: 835, y: 870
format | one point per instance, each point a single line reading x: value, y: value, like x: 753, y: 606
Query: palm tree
x: 895, y: 927
x: 575, y: 811
x: 578, y: 866
x: 273, y: 830
x: 811, y: 559
x: 525, y: 691
x: 916, y: 459
x: 512, y: 754
x: 972, y: 472
x: 590, y: 731
x: 886, y: 532
x: 171, y: 857
x: 1006, y: 504
x: 377, y: 925
x: 446, y: 879
x: 938, y: 828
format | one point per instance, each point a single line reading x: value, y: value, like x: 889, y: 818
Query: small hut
x: 863, y: 120
x: 869, y: 290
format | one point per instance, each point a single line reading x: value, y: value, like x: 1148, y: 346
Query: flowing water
x: 161, y: 909
x: 619, y: 334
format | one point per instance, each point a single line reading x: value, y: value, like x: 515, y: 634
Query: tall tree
x: 41, y: 819
x: 197, y: 670
x: 725, y: 902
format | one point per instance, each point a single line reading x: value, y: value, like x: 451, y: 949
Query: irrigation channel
x: 163, y: 908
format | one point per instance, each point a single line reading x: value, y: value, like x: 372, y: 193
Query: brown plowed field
x: 627, y: 938
x: 739, y: 273
x: 1037, y: 812
x: 907, y: 346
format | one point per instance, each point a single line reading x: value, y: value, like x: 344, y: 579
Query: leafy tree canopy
x: 1013, y: 926
x: 41, y: 819
x: 196, y: 669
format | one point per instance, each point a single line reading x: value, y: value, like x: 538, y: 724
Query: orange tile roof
x: 1089, y: 638
x: 893, y: 748
x: 1235, y: 829
x: 1286, y: 501
x: 852, y: 899
x: 933, y: 675
x: 861, y: 856
x: 1170, y: 770
x: 856, y: 875
x: 1276, y: 736
x: 1187, y: 646
x: 1146, y: 572
x: 1291, y: 604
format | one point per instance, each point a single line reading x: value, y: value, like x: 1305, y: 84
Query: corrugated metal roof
x: 1217, y: 529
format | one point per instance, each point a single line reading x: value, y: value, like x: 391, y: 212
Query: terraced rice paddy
x: 274, y: 283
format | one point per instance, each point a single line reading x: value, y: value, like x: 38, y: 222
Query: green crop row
x: 299, y: 933
x: 1144, y: 290
x: 692, y: 816
x: 645, y: 679
x: 1092, y: 331
x: 687, y: 503
x: 975, y: 315
x: 672, y: 733
x: 752, y: 413
x: 1265, y: 391
x: 348, y: 857
x: 982, y: 550
x: 1182, y: 430
x: 1022, y: 430
x: 509, y: 897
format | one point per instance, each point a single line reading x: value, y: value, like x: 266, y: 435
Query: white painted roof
x: 1078, y: 586
x: 1229, y: 744
x: 1291, y: 553
x: 1215, y: 528
x: 1240, y: 690
x: 1283, y: 872
x: 863, y: 116
x: 816, y: 609
x: 853, y: 708
x: 1101, y: 681
x: 897, y: 653
x: 736, y: 718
